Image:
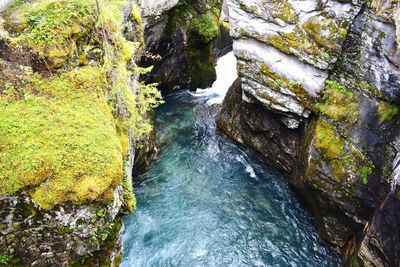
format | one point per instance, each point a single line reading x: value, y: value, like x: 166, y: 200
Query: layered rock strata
x: 318, y: 96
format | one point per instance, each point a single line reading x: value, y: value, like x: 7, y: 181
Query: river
x: 208, y: 202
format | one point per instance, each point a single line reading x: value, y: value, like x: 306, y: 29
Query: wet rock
x: 257, y: 127
x: 317, y: 96
x: 31, y: 236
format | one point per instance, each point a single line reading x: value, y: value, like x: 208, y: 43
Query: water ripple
x: 207, y: 202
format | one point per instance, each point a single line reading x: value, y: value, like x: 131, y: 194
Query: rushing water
x: 207, y: 202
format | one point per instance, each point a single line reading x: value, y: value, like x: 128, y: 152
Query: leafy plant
x: 4, y: 259
x: 101, y: 213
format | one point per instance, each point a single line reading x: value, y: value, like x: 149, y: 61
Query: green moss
x: 198, y: 19
x: 60, y: 141
x: 371, y: 89
x: 4, y: 259
x: 365, y: 172
x: 65, y: 136
x: 387, y: 112
x: 328, y: 142
x: 346, y: 161
x: 129, y: 199
x: 339, y: 103
x: 206, y: 26
x: 52, y: 26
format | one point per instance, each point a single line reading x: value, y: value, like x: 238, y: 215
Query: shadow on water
x: 208, y: 202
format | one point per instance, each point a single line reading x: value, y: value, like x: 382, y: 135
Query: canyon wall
x: 317, y: 96
x: 70, y: 127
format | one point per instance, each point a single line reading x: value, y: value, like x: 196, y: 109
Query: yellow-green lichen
x: 283, y: 10
x: 278, y: 83
x: 346, y: 161
x: 387, y: 112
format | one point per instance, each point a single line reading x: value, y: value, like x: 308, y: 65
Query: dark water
x: 206, y: 202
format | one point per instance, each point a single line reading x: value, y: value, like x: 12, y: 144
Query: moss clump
x: 206, y: 26
x: 328, y: 142
x: 371, y: 89
x: 339, y: 103
x: 365, y: 172
x: 196, y: 19
x: 129, y: 199
x: 65, y: 136
x: 387, y: 112
x: 52, y: 26
x: 60, y: 139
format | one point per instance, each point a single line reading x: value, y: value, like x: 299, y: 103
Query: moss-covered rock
x: 72, y: 113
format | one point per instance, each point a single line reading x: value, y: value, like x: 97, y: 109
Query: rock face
x: 70, y: 133
x: 61, y: 236
x: 181, y: 42
x: 318, y: 96
x: 157, y: 7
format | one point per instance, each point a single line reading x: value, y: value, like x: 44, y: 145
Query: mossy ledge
x: 66, y: 129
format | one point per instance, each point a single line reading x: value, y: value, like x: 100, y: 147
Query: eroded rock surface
x: 318, y: 98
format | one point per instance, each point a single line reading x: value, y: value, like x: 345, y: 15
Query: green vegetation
x: 129, y: 199
x: 365, y: 172
x: 53, y: 25
x: 4, y: 259
x: 65, y: 136
x: 206, y: 26
x: 204, y: 23
x: 101, y: 213
x: 371, y: 89
x: 346, y: 161
x: 339, y: 103
x: 59, y: 137
x: 387, y: 112
x: 328, y: 142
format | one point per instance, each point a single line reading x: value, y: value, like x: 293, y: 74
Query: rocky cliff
x: 183, y: 38
x: 317, y: 96
x: 72, y: 113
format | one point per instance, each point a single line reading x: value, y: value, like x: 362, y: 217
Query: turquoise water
x: 207, y: 202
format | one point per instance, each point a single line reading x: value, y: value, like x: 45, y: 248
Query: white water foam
x: 226, y: 74
x: 249, y: 168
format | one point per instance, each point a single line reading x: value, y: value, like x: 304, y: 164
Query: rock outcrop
x: 182, y: 39
x: 318, y: 97
x: 70, y: 123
